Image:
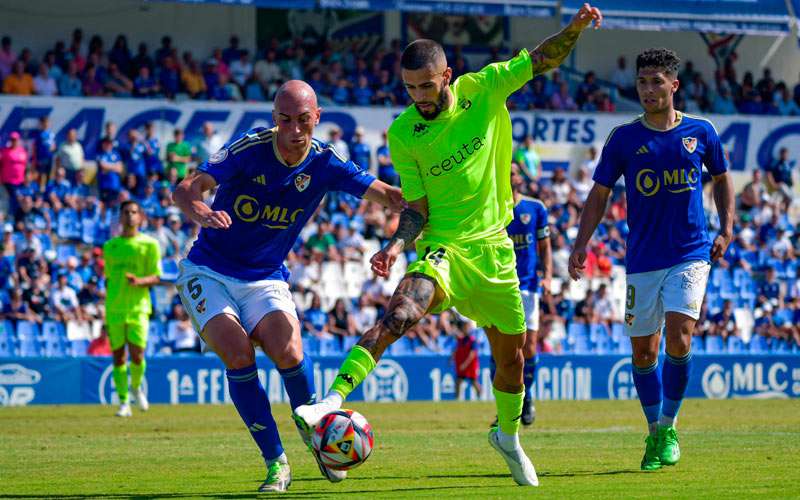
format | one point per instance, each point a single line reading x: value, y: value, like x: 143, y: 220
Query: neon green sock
x: 137, y: 374
x: 121, y: 382
x: 509, y: 410
x: 354, y: 370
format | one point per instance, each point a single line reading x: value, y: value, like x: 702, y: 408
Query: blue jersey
x: 44, y: 142
x: 662, y: 170
x: 135, y: 162
x: 528, y: 227
x: 108, y: 180
x: 268, y: 201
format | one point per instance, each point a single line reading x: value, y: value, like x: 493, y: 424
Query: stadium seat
x: 736, y: 345
x: 617, y: 332
x: 27, y: 330
x: 349, y: 342
x: 329, y: 347
x: 714, y: 344
x: 78, y: 347
x: 780, y: 346
x: 29, y: 347
x: 88, y: 231
x: 54, y: 348
x: 602, y: 345
x: 581, y: 344
x: 597, y: 331
x: 65, y: 251
x: 624, y: 347
x: 52, y: 330
x: 402, y: 347
x: 576, y: 329
x: 759, y: 344
x: 311, y: 345
x: 6, y: 348
x: 698, y: 345
x: 446, y: 343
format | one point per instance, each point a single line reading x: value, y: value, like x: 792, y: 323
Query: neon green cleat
x: 279, y: 477
x: 667, y: 448
x: 650, y: 460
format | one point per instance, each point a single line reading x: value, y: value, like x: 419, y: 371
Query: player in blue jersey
x: 661, y: 155
x: 531, y: 236
x: 233, y: 282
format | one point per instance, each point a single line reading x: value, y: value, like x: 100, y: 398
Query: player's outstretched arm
x: 412, y: 220
x: 386, y: 195
x: 189, y: 198
x: 552, y: 52
x: 723, y: 199
x: 593, y: 211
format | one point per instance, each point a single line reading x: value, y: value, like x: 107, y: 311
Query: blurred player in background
x: 661, y: 154
x: 132, y: 266
x: 233, y: 282
x: 531, y: 236
x: 452, y: 149
x: 465, y: 359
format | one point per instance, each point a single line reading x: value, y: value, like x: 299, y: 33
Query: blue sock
x: 648, y: 385
x: 529, y: 375
x: 252, y: 404
x: 676, y: 377
x: 299, y: 383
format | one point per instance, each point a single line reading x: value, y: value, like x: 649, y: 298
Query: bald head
x: 422, y: 53
x: 293, y: 96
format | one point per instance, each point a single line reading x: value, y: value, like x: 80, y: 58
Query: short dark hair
x: 421, y: 53
x: 129, y: 202
x: 659, y: 58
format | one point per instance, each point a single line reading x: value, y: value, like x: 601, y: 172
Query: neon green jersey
x: 140, y: 256
x: 461, y: 160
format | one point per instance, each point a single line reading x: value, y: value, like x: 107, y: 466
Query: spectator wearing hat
x: 13, y: 162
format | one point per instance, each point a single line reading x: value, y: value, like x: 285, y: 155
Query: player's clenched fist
x: 585, y: 16
x: 576, y: 263
x: 382, y: 263
x: 218, y: 219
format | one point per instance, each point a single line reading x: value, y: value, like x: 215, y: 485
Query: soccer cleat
x: 310, y: 415
x: 279, y: 477
x: 141, y: 399
x: 124, y: 410
x: 305, y: 432
x: 667, y: 447
x: 650, y: 460
x: 528, y: 412
x: 519, y: 464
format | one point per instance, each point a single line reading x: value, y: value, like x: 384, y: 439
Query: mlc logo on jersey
x: 675, y: 181
x: 247, y: 209
x: 647, y: 182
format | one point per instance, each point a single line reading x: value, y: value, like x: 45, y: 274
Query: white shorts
x: 530, y: 303
x: 649, y: 295
x: 206, y: 294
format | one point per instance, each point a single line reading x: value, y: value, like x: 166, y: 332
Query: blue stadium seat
x: 311, y: 345
x: 446, y: 343
x: 698, y: 345
x: 89, y: 231
x: 714, y: 344
x: 54, y: 348
x: 402, y: 347
x: 349, y: 342
x: 780, y: 346
x: 7, y: 330
x: 617, y: 332
x: 65, y: 251
x: 52, y: 330
x: 759, y: 344
x: 736, y: 345
x: 597, y: 331
x: 47, y: 243
x: 27, y: 330
x: 576, y: 329
x: 6, y: 348
x: 29, y: 347
x: 330, y: 347
x: 78, y: 347
x: 602, y: 345
x: 623, y: 347
x: 581, y: 345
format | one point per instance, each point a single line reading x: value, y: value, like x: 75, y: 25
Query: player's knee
x: 236, y: 361
x: 529, y: 348
x: 509, y: 365
x: 643, y: 356
x: 400, y: 318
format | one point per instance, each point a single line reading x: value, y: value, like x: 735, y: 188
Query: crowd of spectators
x: 343, y: 74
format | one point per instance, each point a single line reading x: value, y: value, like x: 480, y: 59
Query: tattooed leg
x: 415, y: 295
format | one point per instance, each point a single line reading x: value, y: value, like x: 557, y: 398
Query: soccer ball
x: 343, y: 439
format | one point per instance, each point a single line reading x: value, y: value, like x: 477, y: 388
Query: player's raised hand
x: 576, y: 263
x: 382, y: 262
x: 585, y: 16
x: 216, y: 219
x: 720, y: 246
x: 132, y: 279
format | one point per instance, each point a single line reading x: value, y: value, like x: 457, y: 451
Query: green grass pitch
x: 731, y: 449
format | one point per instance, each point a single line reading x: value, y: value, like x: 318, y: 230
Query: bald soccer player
x: 233, y: 282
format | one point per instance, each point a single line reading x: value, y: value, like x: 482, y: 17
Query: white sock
x: 282, y: 459
x: 334, y: 399
x: 508, y: 442
x: 664, y: 420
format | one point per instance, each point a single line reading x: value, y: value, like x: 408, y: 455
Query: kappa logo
x: 420, y: 129
x: 525, y: 218
x: 690, y: 143
x: 347, y: 378
x: 464, y: 103
x: 629, y: 319
x: 201, y: 307
x: 302, y: 181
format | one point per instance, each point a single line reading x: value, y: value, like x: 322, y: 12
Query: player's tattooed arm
x: 412, y: 220
x: 552, y: 52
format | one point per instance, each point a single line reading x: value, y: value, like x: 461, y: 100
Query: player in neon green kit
x: 452, y: 149
x: 133, y: 265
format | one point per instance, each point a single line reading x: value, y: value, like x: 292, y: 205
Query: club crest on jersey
x: 690, y: 143
x: 219, y: 156
x: 525, y: 218
x: 302, y: 181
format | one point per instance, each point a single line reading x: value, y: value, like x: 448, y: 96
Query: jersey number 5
x: 195, y: 289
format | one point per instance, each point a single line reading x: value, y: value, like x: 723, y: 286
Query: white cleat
x: 141, y: 399
x: 124, y: 410
x: 519, y: 464
x: 312, y: 414
x: 334, y: 476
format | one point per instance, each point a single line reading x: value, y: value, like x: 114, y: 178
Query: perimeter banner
x: 201, y: 379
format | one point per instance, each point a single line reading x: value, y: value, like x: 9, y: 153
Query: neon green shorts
x: 479, y: 279
x: 130, y: 329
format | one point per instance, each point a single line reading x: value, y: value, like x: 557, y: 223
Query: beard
x: 438, y: 106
